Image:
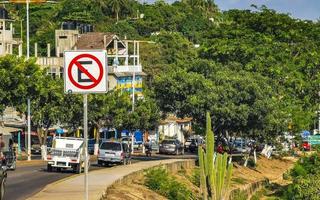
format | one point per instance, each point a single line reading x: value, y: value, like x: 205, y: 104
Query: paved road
x: 26, y: 181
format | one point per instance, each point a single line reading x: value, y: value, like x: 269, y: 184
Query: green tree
x: 116, y: 6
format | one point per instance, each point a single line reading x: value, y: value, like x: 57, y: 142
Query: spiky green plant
x: 215, y: 172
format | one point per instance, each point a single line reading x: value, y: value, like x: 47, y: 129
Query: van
x: 112, y: 152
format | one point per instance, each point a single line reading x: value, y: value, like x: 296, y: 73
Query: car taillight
x: 49, y: 157
x: 73, y: 160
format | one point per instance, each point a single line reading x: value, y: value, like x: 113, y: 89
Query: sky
x: 302, y: 9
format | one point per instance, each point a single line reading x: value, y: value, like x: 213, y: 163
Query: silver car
x: 171, y: 146
x: 113, y: 153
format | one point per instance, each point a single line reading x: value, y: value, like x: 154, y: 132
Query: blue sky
x: 302, y: 9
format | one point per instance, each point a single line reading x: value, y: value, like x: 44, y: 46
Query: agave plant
x: 215, y: 172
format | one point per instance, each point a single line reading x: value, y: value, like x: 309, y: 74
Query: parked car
x: 111, y: 152
x: 171, y: 146
x: 35, y: 149
x: 239, y: 146
x: 306, y: 146
x: 3, y: 178
x: 187, y: 144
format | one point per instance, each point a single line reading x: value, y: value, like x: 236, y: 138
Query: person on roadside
x: 2, y: 145
x: 148, y: 147
x: 220, y: 148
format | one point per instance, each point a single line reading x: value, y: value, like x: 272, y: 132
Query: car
x: 306, y: 146
x: 239, y: 146
x: 35, y: 149
x: 114, y: 152
x: 189, y: 142
x: 3, y: 178
x: 171, y: 146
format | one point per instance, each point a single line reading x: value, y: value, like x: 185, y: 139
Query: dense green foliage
x: 305, y: 179
x: 158, y: 180
x: 255, y: 71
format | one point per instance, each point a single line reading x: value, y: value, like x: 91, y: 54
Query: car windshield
x: 111, y: 146
x: 168, y: 142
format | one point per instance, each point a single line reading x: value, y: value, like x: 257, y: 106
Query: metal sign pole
x: 85, y: 138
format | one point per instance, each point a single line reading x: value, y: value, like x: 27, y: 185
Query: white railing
x: 125, y: 68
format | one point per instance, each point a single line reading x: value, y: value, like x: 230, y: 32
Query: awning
x: 8, y: 130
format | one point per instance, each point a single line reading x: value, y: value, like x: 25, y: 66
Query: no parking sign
x: 85, y: 71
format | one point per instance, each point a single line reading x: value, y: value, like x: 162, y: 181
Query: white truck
x: 66, y: 153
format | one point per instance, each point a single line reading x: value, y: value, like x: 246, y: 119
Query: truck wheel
x: 49, y: 168
x: 100, y: 162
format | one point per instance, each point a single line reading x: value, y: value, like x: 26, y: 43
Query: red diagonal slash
x: 85, y: 71
x: 75, y: 62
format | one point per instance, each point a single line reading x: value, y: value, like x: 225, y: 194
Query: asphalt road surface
x: 26, y: 181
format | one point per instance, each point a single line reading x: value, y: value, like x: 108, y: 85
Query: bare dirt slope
x: 272, y: 169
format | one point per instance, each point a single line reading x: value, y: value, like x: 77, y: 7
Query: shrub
x: 298, y: 170
x: 158, y: 180
x: 239, y: 195
x: 305, y: 188
x: 195, y: 178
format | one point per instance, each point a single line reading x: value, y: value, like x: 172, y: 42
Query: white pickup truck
x: 66, y: 153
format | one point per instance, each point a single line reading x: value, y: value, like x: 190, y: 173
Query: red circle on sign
x: 74, y: 61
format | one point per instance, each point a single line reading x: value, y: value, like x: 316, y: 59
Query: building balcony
x: 125, y: 68
x: 50, y: 61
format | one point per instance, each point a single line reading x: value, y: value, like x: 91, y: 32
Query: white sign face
x: 85, y: 71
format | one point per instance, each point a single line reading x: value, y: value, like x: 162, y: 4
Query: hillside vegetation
x: 255, y: 71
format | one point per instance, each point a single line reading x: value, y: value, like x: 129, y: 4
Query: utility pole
x: 28, y: 42
x: 29, y: 131
x: 134, y: 74
x: 85, y: 138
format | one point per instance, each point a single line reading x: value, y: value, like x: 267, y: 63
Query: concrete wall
x: 65, y: 40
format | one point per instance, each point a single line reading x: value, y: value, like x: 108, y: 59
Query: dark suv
x: 171, y: 146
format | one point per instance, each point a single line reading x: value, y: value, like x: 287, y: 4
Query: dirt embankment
x: 242, y: 176
x: 272, y: 170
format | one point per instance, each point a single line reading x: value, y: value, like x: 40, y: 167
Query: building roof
x: 172, y: 118
x: 94, y: 40
x: 7, y: 130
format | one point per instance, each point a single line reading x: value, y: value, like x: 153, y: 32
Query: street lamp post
x: 28, y: 42
x: 29, y: 131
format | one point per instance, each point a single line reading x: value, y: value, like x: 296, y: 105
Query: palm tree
x: 116, y: 6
